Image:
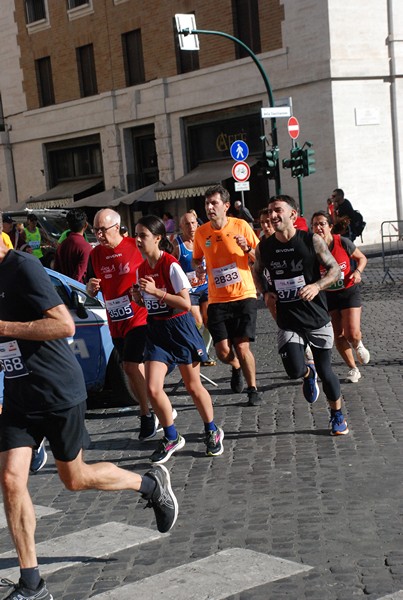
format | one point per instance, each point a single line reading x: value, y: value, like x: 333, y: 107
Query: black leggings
x: 293, y: 358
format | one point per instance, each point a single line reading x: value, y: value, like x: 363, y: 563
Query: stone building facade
x: 96, y: 94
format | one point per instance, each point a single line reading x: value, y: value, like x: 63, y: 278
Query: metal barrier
x: 392, y: 247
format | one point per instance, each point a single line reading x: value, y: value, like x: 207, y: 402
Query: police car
x: 92, y: 343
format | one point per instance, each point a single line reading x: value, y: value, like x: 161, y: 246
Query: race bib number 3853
x: 11, y: 360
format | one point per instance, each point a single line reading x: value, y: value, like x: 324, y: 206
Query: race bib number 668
x: 11, y: 360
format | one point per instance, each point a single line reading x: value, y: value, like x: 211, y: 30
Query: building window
x: 77, y: 159
x: 76, y: 3
x: 246, y: 26
x: 44, y: 79
x: 133, y: 57
x: 35, y: 10
x: 186, y: 60
x: 141, y: 157
x: 86, y: 71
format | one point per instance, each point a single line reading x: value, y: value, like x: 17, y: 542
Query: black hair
x: 218, y: 189
x: 324, y: 214
x: 76, y: 219
x: 263, y: 212
x: 157, y: 227
x: 285, y: 198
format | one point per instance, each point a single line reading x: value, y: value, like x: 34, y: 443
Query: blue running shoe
x: 310, y: 386
x: 39, y: 458
x: 338, y: 425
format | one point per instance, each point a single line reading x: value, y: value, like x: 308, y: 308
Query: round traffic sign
x: 293, y: 127
x: 239, y: 150
x: 241, y: 171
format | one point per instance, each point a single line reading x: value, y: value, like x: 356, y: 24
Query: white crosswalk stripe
x: 40, y: 511
x: 216, y: 577
x: 78, y: 548
x: 395, y: 596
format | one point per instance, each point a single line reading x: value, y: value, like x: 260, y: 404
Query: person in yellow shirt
x: 228, y: 245
x: 7, y: 241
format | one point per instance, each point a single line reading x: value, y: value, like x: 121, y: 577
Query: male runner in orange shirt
x: 228, y: 244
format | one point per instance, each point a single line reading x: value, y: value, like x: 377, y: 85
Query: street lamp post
x: 189, y: 31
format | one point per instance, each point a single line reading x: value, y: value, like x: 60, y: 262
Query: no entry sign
x: 293, y: 127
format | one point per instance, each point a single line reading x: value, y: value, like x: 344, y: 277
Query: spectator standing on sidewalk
x: 172, y: 337
x: 227, y: 244
x: 343, y: 297
x: 112, y: 268
x: 289, y: 263
x: 241, y: 212
x: 45, y: 396
x: 343, y: 213
x: 72, y: 255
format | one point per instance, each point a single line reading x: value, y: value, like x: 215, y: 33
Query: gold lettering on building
x: 225, y: 140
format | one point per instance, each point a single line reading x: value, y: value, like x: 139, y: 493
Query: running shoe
x: 166, y: 448
x: 39, y: 458
x: 338, y: 425
x: 353, y: 375
x: 163, y: 500
x: 237, y: 382
x: 214, y: 445
x: 148, y: 427
x: 362, y: 354
x: 254, y: 397
x: 20, y: 592
x: 310, y: 386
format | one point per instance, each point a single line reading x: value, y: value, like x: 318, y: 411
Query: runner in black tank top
x: 287, y: 268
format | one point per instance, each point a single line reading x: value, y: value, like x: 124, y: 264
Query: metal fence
x: 392, y: 247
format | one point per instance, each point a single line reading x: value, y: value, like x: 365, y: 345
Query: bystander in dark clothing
x: 72, y: 254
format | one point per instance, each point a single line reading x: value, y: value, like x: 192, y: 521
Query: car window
x: 61, y: 290
x: 90, y: 302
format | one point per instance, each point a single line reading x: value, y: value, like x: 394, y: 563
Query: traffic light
x: 308, y: 162
x: 296, y: 162
x: 272, y: 162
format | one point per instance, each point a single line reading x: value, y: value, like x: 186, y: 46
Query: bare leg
x: 135, y: 373
x: 18, y: 505
x: 247, y: 360
x: 226, y: 354
x: 77, y: 475
x: 155, y: 375
x: 342, y: 344
x: 200, y: 396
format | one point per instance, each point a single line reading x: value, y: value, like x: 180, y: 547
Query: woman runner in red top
x: 172, y: 337
x: 343, y: 298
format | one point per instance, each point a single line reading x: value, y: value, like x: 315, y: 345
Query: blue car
x: 92, y: 343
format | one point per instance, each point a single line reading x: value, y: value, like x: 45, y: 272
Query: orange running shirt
x: 229, y: 275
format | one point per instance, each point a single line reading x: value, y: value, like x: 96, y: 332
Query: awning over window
x: 197, y: 181
x: 63, y: 194
x: 107, y: 198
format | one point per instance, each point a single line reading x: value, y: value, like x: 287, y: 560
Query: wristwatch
x: 248, y: 249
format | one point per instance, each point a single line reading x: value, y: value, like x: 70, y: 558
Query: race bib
x: 154, y: 306
x: 11, y: 360
x: 287, y: 289
x: 119, y: 309
x: 192, y: 277
x: 339, y: 285
x: 34, y: 244
x: 226, y: 275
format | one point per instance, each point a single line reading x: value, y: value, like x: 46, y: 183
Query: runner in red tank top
x: 112, y: 269
x: 172, y: 337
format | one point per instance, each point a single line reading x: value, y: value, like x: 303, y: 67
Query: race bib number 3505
x: 11, y: 360
x: 119, y: 309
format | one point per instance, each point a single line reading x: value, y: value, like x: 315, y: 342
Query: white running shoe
x: 362, y: 354
x: 353, y: 375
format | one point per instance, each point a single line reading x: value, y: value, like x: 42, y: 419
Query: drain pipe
x: 392, y: 41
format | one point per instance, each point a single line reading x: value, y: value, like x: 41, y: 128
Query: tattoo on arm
x: 257, y: 271
x: 326, y: 259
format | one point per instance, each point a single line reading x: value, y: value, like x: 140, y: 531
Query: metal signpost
x: 241, y: 170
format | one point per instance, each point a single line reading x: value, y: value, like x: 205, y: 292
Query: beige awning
x: 107, y: 198
x: 63, y: 194
x: 145, y: 194
x: 197, y: 181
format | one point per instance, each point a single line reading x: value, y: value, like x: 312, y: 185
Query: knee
x: 72, y: 483
x: 223, y: 355
x: 12, y: 481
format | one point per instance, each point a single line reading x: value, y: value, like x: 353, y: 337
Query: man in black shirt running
x: 45, y: 396
x: 287, y: 265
